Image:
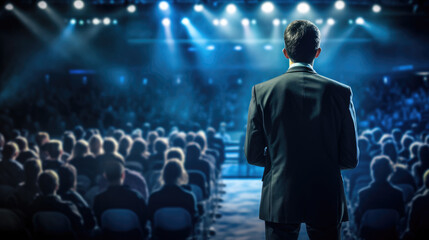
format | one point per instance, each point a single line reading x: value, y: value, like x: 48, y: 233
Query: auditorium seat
x: 52, y: 225
x: 198, y: 178
x: 407, y: 191
x: 5, y: 192
x: 121, y: 224
x: 379, y: 224
x: 83, y: 183
x: 172, y: 223
x: 198, y: 193
x: 11, y: 226
x: 136, y: 166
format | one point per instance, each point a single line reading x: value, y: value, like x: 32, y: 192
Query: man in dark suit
x: 301, y: 127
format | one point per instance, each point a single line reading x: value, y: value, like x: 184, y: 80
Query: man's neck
x: 290, y: 63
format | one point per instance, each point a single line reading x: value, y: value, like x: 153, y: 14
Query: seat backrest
x: 9, y: 221
x: 119, y: 220
x: 172, y: 219
x: 380, y: 219
x: 134, y: 166
x: 196, y: 190
x: 83, y: 183
x: 51, y: 223
x: 198, y: 178
x: 90, y: 195
x: 5, y: 192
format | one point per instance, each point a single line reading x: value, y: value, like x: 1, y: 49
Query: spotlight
x: 340, y: 5
x: 78, y: 4
x: 81, y: 22
x: 376, y: 8
x: 9, y: 7
x: 95, y: 21
x: 163, y: 5
x: 319, y: 21
x: 166, y: 22
x: 72, y: 21
x: 245, y: 22
x: 115, y: 22
x: 330, y: 21
x: 238, y: 48
x: 216, y: 22
x: 198, y: 7
x: 267, y: 7
x: 131, y: 8
x: 254, y: 21
x: 350, y: 21
x: 284, y: 21
x: 276, y: 22
x: 223, y: 22
x: 231, y: 8
x: 210, y: 47
x: 360, y: 21
x: 268, y: 47
x: 185, y: 21
x: 303, y: 7
x: 42, y: 5
x: 106, y: 21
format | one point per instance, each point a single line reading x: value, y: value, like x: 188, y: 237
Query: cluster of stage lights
x: 266, y: 7
x: 95, y: 21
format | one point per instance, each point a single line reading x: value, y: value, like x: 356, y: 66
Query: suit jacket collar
x: 300, y: 69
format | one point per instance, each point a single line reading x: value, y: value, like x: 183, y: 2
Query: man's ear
x: 285, y: 53
x: 318, y: 52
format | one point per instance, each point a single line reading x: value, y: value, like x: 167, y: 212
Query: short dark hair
x: 55, y: 147
x: 48, y: 182
x: 10, y: 150
x: 113, y: 171
x: 381, y: 167
x: 32, y: 169
x: 67, y: 174
x: 302, y: 39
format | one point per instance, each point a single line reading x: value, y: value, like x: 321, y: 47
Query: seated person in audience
x: 42, y: 140
x: 110, y: 148
x: 418, y: 219
x: 210, y: 155
x: 151, y: 137
x: 49, y: 200
x: 175, y: 153
x: 118, y: 195
x: 24, y: 152
x: 67, y: 191
x: 180, y: 140
x: 138, y: 153
x: 125, y: 145
x: 422, y: 165
x: 68, y: 144
x: 216, y: 143
x: 172, y: 194
x: 400, y: 174
x: 95, y: 145
x: 156, y: 160
x: 24, y: 195
x: 55, y: 151
x: 380, y: 193
x: 414, y: 155
x: 193, y: 161
x: 11, y: 171
x: 83, y: 160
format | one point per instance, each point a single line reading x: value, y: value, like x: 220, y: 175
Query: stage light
x: 42, y: 5
x: 9, y: 7
x: 238, y: 48
x: 216, y: 22
x: 106, y: 21
x: 319, y: 21
x: 198, y: 7
x: 350, y: 21
x: 254, y: 21
x: 223, y: 22
x: 72, y: 21
x: 276, y: 22
x: 268, y: 47
x: 115, y: 22
x: 303, y: 7
x: 330, y: 21
x: 340, y: 5
x: 360, y: 21
x: 166, y: 22
x: 95, y: 21
x: 284, y: 21
x: 231, y: 8
x: 210, y: 47
x: 267, y: 7
x: 78, y: 4
x: 376, y: 8
x: 185, y: 21
x: 81, y: 22
x: 245, y: 22
x: 131, y: 8
x: 163, y: 5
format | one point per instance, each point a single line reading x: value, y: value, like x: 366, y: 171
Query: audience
x: 11, y: 171
x: 55, y: 151
x: 83, y: 160
x: 24, y: 152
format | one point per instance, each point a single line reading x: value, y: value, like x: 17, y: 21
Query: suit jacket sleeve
x: 348, y: 138
x: 255, y: 142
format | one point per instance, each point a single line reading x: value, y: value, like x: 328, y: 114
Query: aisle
x: 240, y: 210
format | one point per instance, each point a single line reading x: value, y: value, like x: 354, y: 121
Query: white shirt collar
x: 298, y: 64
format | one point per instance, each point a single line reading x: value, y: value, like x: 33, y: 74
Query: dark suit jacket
x: 307, y: 123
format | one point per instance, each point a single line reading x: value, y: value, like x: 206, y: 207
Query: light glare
x: 42, y: 5
x: 9, y: 7
x: 231, y: 8
x: 185, y: 21
x: 95, y: 21
x: 303, y: 7
x: 340, y: 5
x: 376, y: 8
x: 106, y: 21
x: 78, y: 4
x: 131, y: 8
x: 166, y: 22
x: 360, y: 21
x: 216, y: 22
x: 223, y: 22
x: 163, y: 5
x: 267, y: 7
x: 245, y: 22
x: 330, y: 21
x: 276, y: 22
x: 198, y: 7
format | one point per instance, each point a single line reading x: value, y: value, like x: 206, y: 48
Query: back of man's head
x: 48, y: 182
x: 302, y: 39
x: 113, y: 171
x: 22, y: 143
x: 55, y: 149
x: 381, y: 168
x: 10, y: 151
x: 42, y: 138
x: 32, y: 170
x: 110, y: 145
